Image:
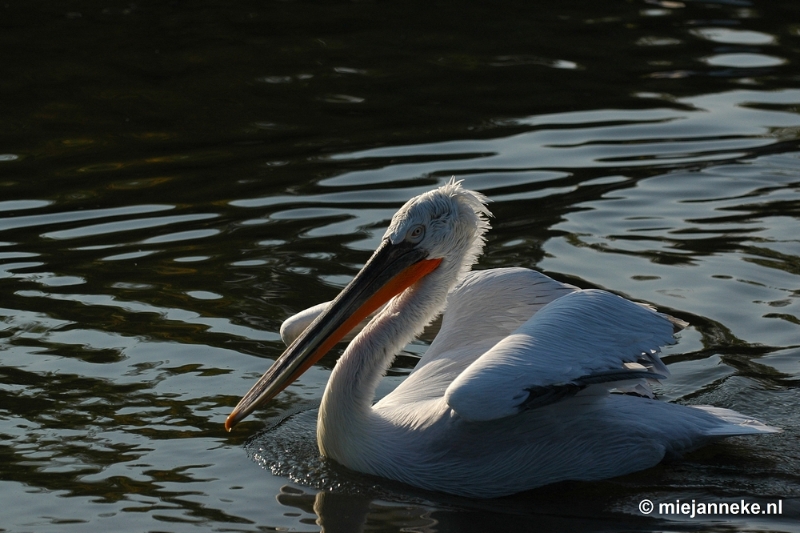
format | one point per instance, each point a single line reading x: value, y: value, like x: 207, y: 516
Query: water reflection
x: 341, y: 512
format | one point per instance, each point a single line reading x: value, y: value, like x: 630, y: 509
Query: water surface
x: 176, y: 180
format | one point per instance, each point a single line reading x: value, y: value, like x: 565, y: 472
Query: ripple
x: 214, y: 325
x: 288, y: 448
x: 249, y: 263
x: 204, y: 295
x: 28, y: 221
x: 17, y: 255
x: 589, y: 139
x: 49, y: 279
x: 188, y: 235
x: 657, y: 41
x: 21, y: 205
x: 126, y: 225
x: 519, y: 60
x: 342, y: 99
x: 734, y: 36
x: 350, y: 70
x: 275, y: 79
x: 192, y: 259
x: 743, y: 60
x: 129, y: 255
x: 279, y: 80
x: 8, y: 270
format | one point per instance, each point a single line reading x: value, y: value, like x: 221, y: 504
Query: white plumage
x: 517, y: 389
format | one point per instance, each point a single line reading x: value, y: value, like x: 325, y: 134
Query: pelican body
x: 523, y: 386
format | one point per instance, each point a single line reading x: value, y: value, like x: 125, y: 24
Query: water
x: 177, y: 179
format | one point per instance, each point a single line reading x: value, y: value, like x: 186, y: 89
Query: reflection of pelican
x: 515, y: 391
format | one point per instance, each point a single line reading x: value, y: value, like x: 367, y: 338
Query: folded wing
x: 584, y: 338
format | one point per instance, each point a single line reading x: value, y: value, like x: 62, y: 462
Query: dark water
x: 176, y: 178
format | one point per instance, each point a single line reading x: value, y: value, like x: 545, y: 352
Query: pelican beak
x: 390, y: 270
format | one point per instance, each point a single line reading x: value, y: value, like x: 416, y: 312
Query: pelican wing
x: 483, y: 309
x: 292, y: 327
x: 489, y: 305
x: 584, y: 338
x: 296, y: 324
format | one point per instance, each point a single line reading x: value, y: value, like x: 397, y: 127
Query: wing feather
x: 584, y: 338
x: 292, y: 327
x: 484, y: 308
x: 489, y: 304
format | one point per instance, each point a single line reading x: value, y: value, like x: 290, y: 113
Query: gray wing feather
x: 584, y: 338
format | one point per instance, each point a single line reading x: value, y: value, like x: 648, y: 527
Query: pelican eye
x: 416, y: 233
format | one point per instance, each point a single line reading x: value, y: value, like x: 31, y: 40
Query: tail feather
x: 734, y: 423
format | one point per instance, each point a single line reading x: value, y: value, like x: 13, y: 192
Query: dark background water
x: 176, y: 178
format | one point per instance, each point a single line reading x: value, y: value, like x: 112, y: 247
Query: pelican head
x: 440, y: 231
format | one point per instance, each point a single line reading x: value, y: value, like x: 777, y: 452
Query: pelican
x: 529, y: 381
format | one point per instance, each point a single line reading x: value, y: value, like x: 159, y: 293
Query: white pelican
x: 518, y: 388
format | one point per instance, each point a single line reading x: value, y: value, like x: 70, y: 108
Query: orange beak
x: 391, y: 269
